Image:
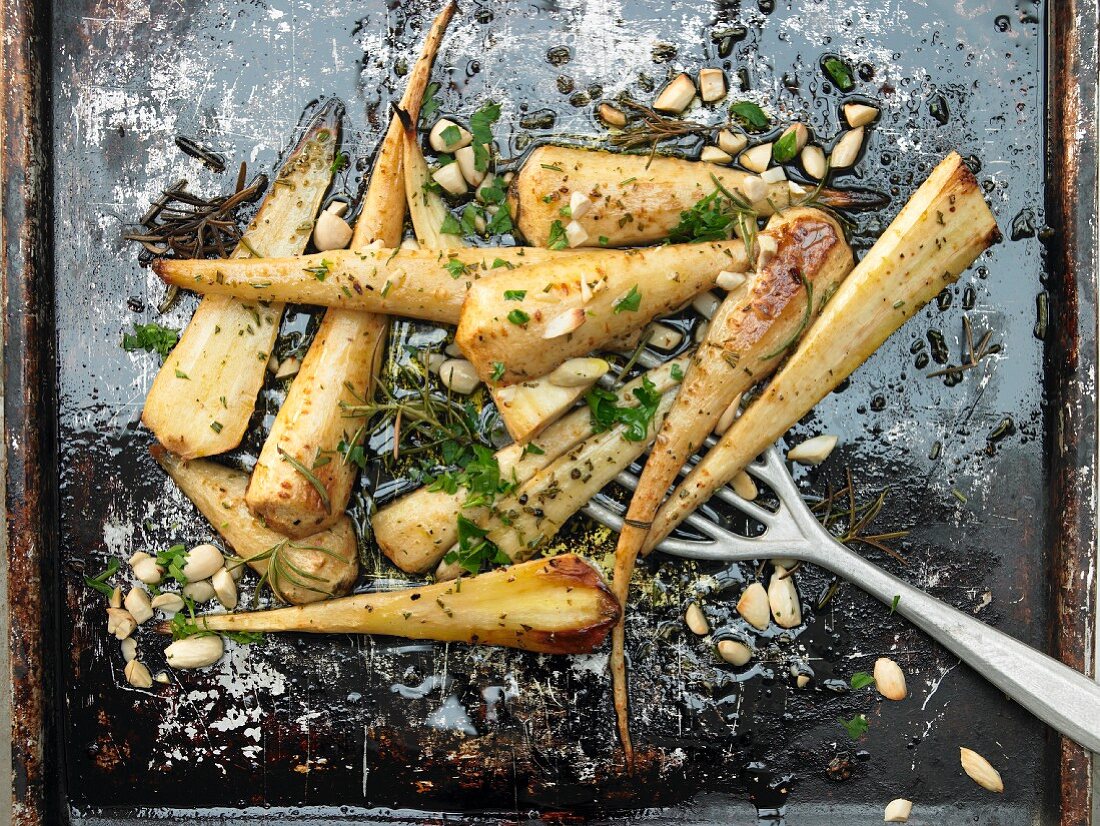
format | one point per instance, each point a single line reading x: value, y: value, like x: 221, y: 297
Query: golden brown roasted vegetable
x: 319, y: 566
x: 554, y: 606
x: 203, y: 396
x: 342, y: 361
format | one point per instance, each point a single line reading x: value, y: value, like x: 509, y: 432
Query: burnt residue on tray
x: 341, y: 726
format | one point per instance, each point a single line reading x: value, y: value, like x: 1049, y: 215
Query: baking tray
x: 347, y: 729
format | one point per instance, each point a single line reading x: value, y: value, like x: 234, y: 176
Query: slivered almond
x: 696, y: 620
x: 564, y: 323
x: 980, y: 770
x: 744, y: 486
x: 753, y: 606
x: 889, y: 679
x: 579, y: 372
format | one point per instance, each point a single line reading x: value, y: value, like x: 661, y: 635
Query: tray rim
x: 29, y: 398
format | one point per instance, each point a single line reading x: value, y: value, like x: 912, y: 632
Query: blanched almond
x: 706, y: 304
x: 199, y: 592
x: 450, y: 177
x: 148, y: 571
x: 288, y: 367
x: 813, y: 451
x: 138, y: 675
x: 137, y: 603
x: 575, y: 234
x: 727, y: 417
x: 753, y: 606
x: 802, y: 680
x: 897, y: 811
x: 696, y: 620
x: 734, y: 652
x: 565, y: 323
x: 332, y: 232
x: 579, y: 372
x: 677, y: 96
x: 754, y: 188
x: 195, y: 652
x: 664, y: 337
x: 744, y: 486
x: 202, y: 561
x: 120, y: 623
x: 225, y: 589
x: 440, y: 143
x: 783, y: 599
x: 846, y: 151
x: 129, y: 648
x: 611, y: 115
x: 459, y: 375
x: 979, y: 770
x: 712, y: 84
x: 774, y: 175
x: 169, y: 603
x: 730, y: 280
x: 115, y: 599
x: 859, y: 114
x: 579, y: 204
x: 758, y: 158
x: 466, y: 159
x: 889, y: 679
x: 813, y: 161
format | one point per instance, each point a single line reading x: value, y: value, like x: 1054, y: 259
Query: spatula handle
x: 1063, y: 698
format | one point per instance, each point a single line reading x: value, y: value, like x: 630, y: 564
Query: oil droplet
x: 559, y: 55
x: 1002, y: 24
x: 937, y: 108
x: 1023, y: 225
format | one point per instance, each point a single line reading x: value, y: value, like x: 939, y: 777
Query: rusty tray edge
x: 38, y: 794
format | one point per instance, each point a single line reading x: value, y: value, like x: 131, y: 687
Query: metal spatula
x: 1061, y: 697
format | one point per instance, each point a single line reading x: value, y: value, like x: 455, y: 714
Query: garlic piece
x: 440, y: 143
x: 137, y: 603
x: 148, y: 571
x: 162, y: 677
x: 677, y: 95
x: 199, y: 592
x: 734, y: 652
x: 459, y: 375
x: 783, y: 599
x: 696, y: 620
x: 753, y: 606
x: 802, y: 680
x: 758, y: 158
x: 450, y: 177
x: 706, y: 304
x: 202, y: 561
x: 730, y: 281
x: 120, y: 622
x: 195, y: 652
x: 288, y: 367
x: 813, y: 451
x: 774, y: 175
x: 565, y: 323
x: 801, y: 137
x: 225, y: 589
x: 467, y: 164
x: 332, y: 232
x: 889, y: 679
x: 169, y: 603
x: 712, y: 84
x: 138, y: 675
x: 897, y: 811
x: 575, y: 234
x: 731, y: 142
x: 859, y: 114
x: 664, y: 337
x: 578, y: 372
x: 744, y: 486
x: 712, y: 154
x: 754, y: 188
x: 579, y: 204
x: 979, y: 770
x: 813, y: 161
x: 129, y: 648
x: 846, y: 151
x: 115, y: 599
x: 766, y: 249
x: 611, y: 115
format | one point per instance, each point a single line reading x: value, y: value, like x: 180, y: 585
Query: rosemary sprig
x: 974, y: 353
x: 310, y: 477
x: 281, y: 569
x: 809, y: 288
x: 848, y: 520
x: 652, y: 127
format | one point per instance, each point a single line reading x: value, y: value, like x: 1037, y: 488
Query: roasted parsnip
x: 572, y: 307
x: 416, y: 530
x: 554, y: 606
x: 746, y: 340
x: 203, y: 396
x: 426, y: 284
x: 634, y: 199
x: 319, y: 566
x: 943, y: 228
x: 342, y: 361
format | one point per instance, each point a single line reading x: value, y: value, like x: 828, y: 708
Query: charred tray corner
x: 994, y: 475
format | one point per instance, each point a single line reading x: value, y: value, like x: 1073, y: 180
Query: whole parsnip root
x: 205, y: 392
x: 636, y: 200
x: 628, y: 290
x: 554, y: 606
x: 416, y: 530
x: 746, y: 340
x: 342, y: 361
x: 410, y: 283
x: 316, y: 567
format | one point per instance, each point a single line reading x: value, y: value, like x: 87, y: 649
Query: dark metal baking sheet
x: 312, y: 730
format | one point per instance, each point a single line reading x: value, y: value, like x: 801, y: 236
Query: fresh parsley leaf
x: 339, y: 163
x: 751, y: 116
x: 450, y: 226
x: 181, y: 375
x: 518, y: 317
x: 629, y: 303
x: 430, y: 103
x: 479, y: 475
x: 470, y: 213
x: 861, y: 679
x: 533, y: 449
x: 784, y: 149
x: 492, y: 193
x: 482, y: 120
x: 839, y: 72
x: 557, y: 239
x: 856, y: 727
x: 515, y: 295
x: 99, y: 581
x: 501, y: 222
x: 152, y: 338
x: 603, y: 239
x: 451, y: 135
x: 474, y: 551
x: 894, y: 603
x: 606, y: 412
x: 676, y: 372
x: 708, y: 220
x: 481, y: 157
x: 498, y: 371
x: 500, y: 262
x: 173, y: 561
x: 353, y: 454
x: 244, y: 637
x: 321, y: 271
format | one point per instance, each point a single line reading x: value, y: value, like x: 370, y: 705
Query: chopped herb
x: 566, y: 211
x: 469, y: 218
x: 500, y: 262
x: 455, y: 267
x: 216, y: 426
x: 894, y: 603
x: 677, y: 372
x: 243, y: 637
x: 318, y: 486
x: 557, y: 239
x: 606, y: 412
x: 339, y: 163
x: 479, y: 476
x: 481, y: 157
x: 629, y: 303
x: 519, y: 317
x: 181, y: 375
x: 784, y: 149
x: 498, y: 371
x: 450, y: 135
x: 628, y: 181
x: 321, y: 271
x: 493, y: 194
x: 173, y: 561
x: 958, y: 494
x: 898, y: 305
x: 551, y: 166
x: 152, y: 338
x: 751, y: 116
x: 713, y: 219
x: 839, y: 72
x: 430, y: 103
x: 861, y: 679
x: 482, y: 120
x: 474, y: 551
x: 603, y: 239
x: 501, y: 222
x: 99, y: 581
x: 533, y: 449
x: 856, y: 727
x: 450, y: 226
x: 515, y: 295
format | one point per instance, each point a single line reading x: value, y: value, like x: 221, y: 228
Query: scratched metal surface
x: 312, y: 729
